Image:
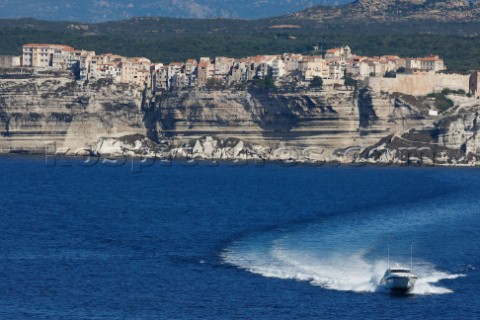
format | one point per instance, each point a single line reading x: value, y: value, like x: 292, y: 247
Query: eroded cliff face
x: 302, y: 118
x: 461, y: 130
x: 103, y: 118
x: 38, y: 111
x: 278, y: 124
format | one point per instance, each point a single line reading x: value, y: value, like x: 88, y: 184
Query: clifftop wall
x: 419, y: 84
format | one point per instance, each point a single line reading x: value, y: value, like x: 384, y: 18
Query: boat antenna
x: 411, y: 257
x: 388, y: 255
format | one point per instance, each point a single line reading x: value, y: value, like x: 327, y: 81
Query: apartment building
x: 313, y: 66
x: 47, y: 55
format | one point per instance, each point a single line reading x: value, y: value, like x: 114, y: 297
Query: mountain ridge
x: 109, y: 10
x: 388, y: 11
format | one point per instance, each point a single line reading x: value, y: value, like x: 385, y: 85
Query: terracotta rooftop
x: 333, y: 50
x: 60, y: 46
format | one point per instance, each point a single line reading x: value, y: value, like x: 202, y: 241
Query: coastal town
x: 332, y: 66
x: 235, y: 108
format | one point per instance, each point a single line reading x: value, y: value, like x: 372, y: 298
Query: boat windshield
x: 400, y: 270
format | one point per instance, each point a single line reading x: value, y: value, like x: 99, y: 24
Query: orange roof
x: 293, y: 55
x: 333, y: 50
x: 430, y: 58
x: 311, y: 59
x: 61, y: 46
x: 360, y: 58
x: 389, y: 57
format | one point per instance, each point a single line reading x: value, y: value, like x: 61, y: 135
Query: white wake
x: 352, y: 272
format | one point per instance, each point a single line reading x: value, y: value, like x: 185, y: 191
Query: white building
x: 430, y: 63
x: 136, y: 71
x: 313, y: 66
x: 47, y: 55
x: 336, y: 71
x: 278, y: 68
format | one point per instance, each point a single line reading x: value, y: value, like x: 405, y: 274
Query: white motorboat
x: 398, y: 279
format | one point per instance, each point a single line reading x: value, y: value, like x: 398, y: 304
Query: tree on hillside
x: 215, y: 84
x: 264, y: 83
x: 350, y: 82
x: 317, y: 82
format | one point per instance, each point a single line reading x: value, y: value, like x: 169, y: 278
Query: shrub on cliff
x: 448, y: 91
x: 350, y: 82
x: 215, y: 84
x: 442, y: 103
x: 317, y: 82
x: 264, y: 83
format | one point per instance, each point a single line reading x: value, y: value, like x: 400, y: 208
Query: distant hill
x: 452, y: 17
x: 109, y: 10
x: 394, y: 11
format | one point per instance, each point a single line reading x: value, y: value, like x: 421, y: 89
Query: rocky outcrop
x: 41, y: 114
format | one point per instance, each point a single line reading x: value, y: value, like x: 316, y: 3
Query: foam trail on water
x: 347, y: 252
x: 349, y: 272
x: 425, y: 283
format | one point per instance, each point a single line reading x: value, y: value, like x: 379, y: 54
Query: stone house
x: 239, y: 72
x: 205, y: 71
x: 335, y: 54
x: 223, y: 65
x: 191, y: 71
x: 291, y: 61
x: 137, y: 71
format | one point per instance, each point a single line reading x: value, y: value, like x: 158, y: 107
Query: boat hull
x: 399, y: 285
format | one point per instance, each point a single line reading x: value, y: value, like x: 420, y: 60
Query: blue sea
x: 225, y: 241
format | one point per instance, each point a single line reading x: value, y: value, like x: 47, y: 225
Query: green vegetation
x: 215, y: 84
x: 264, y: 83
x: 390, y: 74
x: 167, y: 40
x: 317, y: 82
x: 442, y: 103
x: 448, y: 91
x: 350, y: 82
